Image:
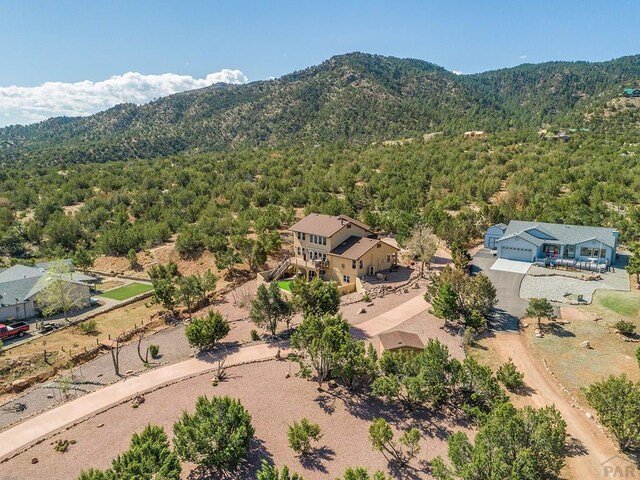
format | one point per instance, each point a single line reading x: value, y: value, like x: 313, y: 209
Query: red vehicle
x: 17, y: 329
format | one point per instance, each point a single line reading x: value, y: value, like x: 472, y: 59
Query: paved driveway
x: 510, y: 306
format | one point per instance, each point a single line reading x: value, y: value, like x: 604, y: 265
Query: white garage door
x: 516, y: 253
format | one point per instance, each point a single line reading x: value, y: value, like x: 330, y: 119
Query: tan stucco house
x: 337, y: 248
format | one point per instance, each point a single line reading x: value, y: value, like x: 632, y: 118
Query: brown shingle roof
x: 325, y: 225
x: 399, y: 339
x: 354, y: 248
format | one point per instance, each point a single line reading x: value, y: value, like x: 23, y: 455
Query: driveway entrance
x: 510, y: 307
x: 512, y: 266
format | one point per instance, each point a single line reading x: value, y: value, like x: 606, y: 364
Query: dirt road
x: 595, y: 456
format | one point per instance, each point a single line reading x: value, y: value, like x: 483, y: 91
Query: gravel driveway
x: 560, y: 288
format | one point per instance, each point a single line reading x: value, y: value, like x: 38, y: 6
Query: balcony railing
x: 309, y: 264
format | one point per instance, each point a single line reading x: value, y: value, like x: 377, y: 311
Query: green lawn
x: 626, y: 304
x: 285, y: 285
x: 128, y: 291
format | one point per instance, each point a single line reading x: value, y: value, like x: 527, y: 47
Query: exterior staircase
x: 280, y: 269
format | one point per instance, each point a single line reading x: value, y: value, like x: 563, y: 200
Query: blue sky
x: 73, y: 41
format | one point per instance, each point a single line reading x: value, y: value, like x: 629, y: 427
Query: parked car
x: 48, y: 327
x: 16, y: 329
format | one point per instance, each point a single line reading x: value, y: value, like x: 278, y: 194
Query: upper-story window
x: 353, y: 264
x: 361, y: 263
x: 324, y: 240
x: 301, y: 236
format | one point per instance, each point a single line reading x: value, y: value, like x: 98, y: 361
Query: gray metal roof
x: 17, y: 291
x: 19, y: 272
x: 561, y: 234
x: 20, y: 282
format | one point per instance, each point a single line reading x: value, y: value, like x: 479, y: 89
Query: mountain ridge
x: 355, y: 97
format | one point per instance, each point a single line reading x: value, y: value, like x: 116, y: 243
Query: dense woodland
x: 456, y: 185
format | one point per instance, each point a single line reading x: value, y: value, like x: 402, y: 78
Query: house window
x: 299, y: 251
x: 361, y: 263
x: 388, y: 258
x: 346, y: 279
x: 551, y: 250
x: 592, y: 252
x: 353, y: 264
x: 324, y: 257
x: 324, y: 240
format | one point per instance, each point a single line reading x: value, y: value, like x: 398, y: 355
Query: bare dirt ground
x: 590, y: 448
x: 160, y: 255
x: 344, y: 421
x: 576, y: 366
x: 110, y: 285
x: 27, y: 360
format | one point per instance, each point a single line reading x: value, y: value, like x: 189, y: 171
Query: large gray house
x: 20, y: 288
x: 528, y: 241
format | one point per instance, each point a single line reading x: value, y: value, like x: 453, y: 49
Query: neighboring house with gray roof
x: 494, y: 233
x: 527, y: 241
x: 20, y: 288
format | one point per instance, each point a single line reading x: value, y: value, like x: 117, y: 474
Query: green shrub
x: 300, y: 435
x: 625, y: 328
x: 510, y: 377
x: 205, y: 332
x: 216, y: 437
x: 154, y: 350
x: 254, y: 336
x: 89, y: 327
x: 637, y: 355
x: 468, y: 338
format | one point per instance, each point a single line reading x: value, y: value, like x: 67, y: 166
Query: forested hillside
x: 355, y: 98
x: 456, y: 185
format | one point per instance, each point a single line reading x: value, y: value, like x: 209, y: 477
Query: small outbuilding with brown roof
x: 399, y: 340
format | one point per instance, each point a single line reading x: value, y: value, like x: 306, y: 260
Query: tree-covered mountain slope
x: 355, y: 98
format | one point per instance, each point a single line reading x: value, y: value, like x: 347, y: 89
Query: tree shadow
x: 559, y: 331
x: 248, y: 469
x: 431, y: 424
x: 502, y: 320
x: 575, y: 448
x: 326, y: 402
x: 524, y: 391
x: 405, y: 472
x: 315, y: 460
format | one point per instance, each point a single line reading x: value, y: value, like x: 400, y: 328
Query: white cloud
x: 458, y: 72
x: 51, y: 99
x: 523, y: 57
